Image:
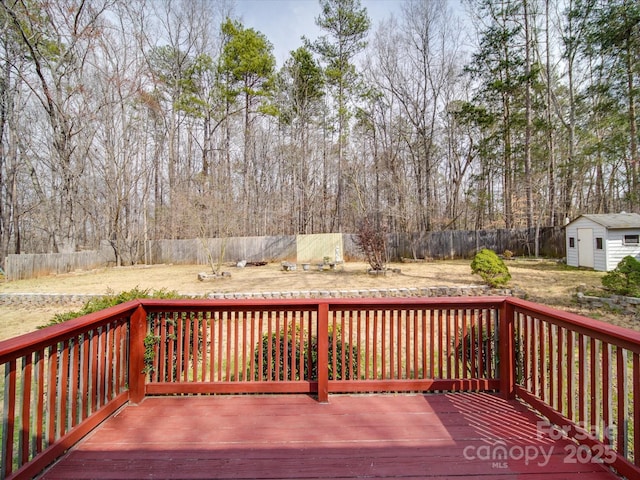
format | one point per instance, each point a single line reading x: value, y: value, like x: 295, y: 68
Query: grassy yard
x: 542, y: 281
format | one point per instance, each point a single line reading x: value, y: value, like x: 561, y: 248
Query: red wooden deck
x: 354, y: 436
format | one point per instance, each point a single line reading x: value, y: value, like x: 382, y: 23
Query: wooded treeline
x: 139, y: 120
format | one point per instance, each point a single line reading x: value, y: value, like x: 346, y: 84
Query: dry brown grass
x: 540, y: 280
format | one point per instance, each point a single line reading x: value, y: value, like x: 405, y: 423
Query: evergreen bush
x: 345, y: 354
x: 109, y: 300
x: 284, y: 345
x: 624, y: 279
x: 491, y: 268
x: 479, y: 344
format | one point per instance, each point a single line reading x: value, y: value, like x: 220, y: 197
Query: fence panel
x: 214, y: 250
x: 465, y: 243
x: 436, y: 245
x: 23, y: 266
x: 244, y: 347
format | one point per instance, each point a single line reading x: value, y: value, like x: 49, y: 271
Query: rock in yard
x: 205, y: 277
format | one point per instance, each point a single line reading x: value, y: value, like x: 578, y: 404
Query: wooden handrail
x: 607, y: 332
x: 584, y: 376
x: 500, y: 344
x: 60, y: 383
x: 333, y: 303
x: 16, y: 347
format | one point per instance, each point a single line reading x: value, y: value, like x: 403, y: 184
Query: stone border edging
x: 45, y: 299
x: 627, y: 305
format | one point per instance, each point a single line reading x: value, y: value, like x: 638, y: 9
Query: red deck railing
x: 584, y: 376
x: 60, y: 382
x: 374, y: 345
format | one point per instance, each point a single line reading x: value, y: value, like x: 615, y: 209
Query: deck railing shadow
x: 62, y: 381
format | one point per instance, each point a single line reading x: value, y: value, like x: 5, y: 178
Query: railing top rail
x: 18, y: 346
x: 312, y: 303
x: 412, y: 302
x: 29, y: 342
x: 606, y: 332
x: 198, y: 304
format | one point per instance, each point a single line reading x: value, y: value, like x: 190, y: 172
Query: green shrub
x: 343, y: 371
x: 491, y: 268
x: 107, y: 301
x: 474, y: 345
x: 625, y: 278
x: 285, y: 346
x: 479, y: 344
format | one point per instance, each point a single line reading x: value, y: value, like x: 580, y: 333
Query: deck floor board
x: 444, y: 436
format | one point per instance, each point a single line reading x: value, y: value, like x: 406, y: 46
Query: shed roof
x: 614, y: 220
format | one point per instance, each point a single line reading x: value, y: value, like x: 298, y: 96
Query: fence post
x: 507, y: 350
x: 137, y: 333
x: 323, y: 352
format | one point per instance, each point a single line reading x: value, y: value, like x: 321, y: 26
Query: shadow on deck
x: 456, y: 435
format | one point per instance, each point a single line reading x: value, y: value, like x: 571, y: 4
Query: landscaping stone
x: 206, y: 277
x: 626, y: 305
x: 288, y: 266
x: 44, y: 299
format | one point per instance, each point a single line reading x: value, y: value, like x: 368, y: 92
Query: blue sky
x: 283, y: 22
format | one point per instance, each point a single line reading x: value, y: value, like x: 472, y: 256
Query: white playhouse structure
x: 600, y: 241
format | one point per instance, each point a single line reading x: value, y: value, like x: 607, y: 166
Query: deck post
x: 137, y: 333
x: 323, y: 352
x: 507, y: 350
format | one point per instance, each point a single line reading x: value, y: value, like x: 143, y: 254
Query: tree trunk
x: 528, y: 181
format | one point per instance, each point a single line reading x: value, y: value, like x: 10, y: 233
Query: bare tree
x: 415, y: 64
x: 10, y: 88
x: 58, y: 38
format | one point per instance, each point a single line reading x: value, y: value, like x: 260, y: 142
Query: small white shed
x: 600, y: 241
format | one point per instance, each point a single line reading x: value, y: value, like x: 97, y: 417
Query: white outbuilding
x: 600, y: 241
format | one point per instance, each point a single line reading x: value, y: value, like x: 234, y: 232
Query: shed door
x: 585, y: 247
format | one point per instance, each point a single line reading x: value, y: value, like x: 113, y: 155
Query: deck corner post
x: 138, y: 331
x: 323, y: 352
x: 507, y: 350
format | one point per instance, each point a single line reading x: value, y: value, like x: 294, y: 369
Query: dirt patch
x: 541, y: 281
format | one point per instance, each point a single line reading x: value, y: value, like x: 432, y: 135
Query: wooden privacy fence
x: 60, y: 382
x: 446, y: 244
x: 23, y: 266
x: 204, y: 250
x: 465, y: 243
x: 437, y: 245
